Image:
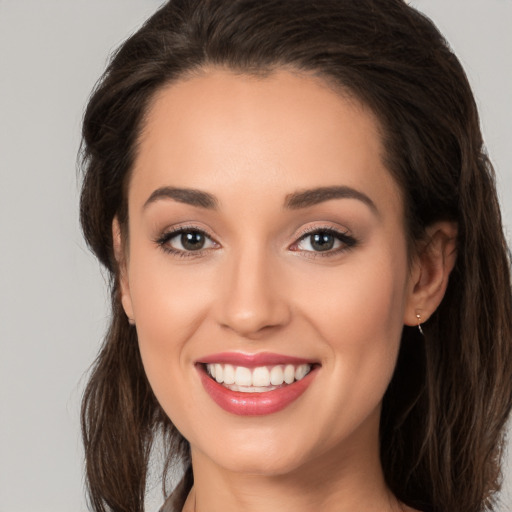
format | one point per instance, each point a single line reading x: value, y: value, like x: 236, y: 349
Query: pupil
x: 322, y: 241
x: 192, y: 241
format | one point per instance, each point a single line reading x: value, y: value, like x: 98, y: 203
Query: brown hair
x: 444, y: 412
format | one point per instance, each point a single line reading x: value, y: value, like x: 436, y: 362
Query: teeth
x: 252, y: 389
x: 302, y: 371
x: 257, y: 380
x: 219, y: 373
x: 261, y: 376
x: 277, y: 375
x: 229, y: 374
x: 289, y: 373
x: 243, y: 376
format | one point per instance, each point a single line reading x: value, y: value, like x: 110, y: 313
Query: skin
x: 258, y: 285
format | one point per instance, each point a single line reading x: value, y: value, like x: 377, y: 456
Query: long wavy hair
x: 444, y: 412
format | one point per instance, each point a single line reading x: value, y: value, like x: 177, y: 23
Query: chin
x: 262, y: 464
x: 256, y: 451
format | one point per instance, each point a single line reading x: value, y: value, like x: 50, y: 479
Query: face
x: 266, y: 249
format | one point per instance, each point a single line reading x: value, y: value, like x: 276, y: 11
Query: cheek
x: 367, y: 295
x: 169, y: 299
x: 357, y: 312
x: 169, y: 306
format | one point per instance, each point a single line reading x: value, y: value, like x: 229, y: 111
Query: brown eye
x: 322, y: 241
x: 326, y: 241
x: 192, y: 240
x: 185, y: 241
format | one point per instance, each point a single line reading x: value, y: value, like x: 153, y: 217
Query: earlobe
x: 124, y: 287
x: 434, y: 261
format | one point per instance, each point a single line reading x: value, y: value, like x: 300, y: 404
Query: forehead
x: 220, y: 130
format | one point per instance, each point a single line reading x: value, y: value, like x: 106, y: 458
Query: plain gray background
x: 53, y: 304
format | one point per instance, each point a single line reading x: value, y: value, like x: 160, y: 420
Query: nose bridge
x: 252, y: 300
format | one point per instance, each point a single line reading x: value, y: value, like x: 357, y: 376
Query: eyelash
x: 166, y: 237
x: 347, y: 242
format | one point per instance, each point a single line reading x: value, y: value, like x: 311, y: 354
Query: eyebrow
x: 311, y: 197
x: 294, y: 201
x: 189, y: 196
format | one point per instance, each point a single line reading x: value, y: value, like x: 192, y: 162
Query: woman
x: 310, y: 283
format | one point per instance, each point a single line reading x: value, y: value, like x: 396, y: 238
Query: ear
x: 431, y: 269
x: 120, y: 255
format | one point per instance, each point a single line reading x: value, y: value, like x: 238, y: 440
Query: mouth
x: 256, y: 380
x: 249, y: 385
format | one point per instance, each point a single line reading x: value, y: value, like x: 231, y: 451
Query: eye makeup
x: 191, y: 241
x: 194, y: 241
x: 324, y: 241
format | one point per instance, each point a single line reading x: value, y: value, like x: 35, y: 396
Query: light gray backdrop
x: 52, y: 297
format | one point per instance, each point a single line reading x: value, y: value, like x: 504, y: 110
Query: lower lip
x: 254, y: 404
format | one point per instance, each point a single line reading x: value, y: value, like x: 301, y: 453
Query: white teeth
x: 229, y: 374
x: 261, y: 376
x: 256, y: 380
x: 219, y: 373
x: 251, y: 389
x: 289, y: 373
x: 302, y: 371
x: 277, y: 375
x: 243, y: 376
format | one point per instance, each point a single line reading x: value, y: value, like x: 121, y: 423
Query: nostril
x: 251, y: 300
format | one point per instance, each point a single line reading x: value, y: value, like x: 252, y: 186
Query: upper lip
x: 253, y: 360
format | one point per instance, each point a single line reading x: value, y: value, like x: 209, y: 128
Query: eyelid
x: 308, y: 230
x: 168, y: 234
x: 343, y: 236
x: 347, y: 240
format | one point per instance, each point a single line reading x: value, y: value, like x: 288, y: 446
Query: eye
x: 327, y: 241
x: 186, y: 240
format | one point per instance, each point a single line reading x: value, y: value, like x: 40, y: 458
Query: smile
x: 257, y: 380
x: 250, y: 385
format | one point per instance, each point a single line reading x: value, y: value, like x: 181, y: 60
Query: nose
x: 253, y: 299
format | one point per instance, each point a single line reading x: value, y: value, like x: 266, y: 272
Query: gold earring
x: 418, y: 316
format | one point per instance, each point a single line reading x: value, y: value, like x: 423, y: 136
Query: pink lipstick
x: 255, y: 384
